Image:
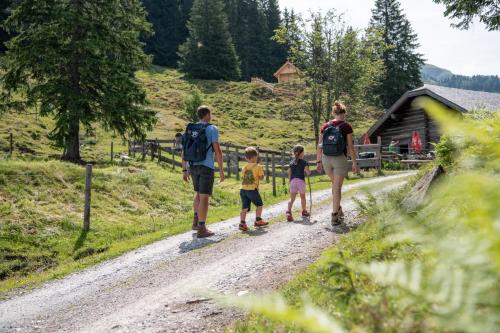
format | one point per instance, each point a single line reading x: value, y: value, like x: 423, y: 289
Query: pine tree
x: 169, y: 19
x: 209, y: 52
x: 401, y: 60
x: 277, y: 52
x: 76, y: 60
x: 5, y: 8
x: 248, y: 26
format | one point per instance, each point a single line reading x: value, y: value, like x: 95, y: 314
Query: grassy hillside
x: 245, y: 114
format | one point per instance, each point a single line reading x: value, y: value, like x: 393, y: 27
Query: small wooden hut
x: 404, y: 117
x: 288, y: 72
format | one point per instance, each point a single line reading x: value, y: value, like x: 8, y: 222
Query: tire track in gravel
x: 153, y: 289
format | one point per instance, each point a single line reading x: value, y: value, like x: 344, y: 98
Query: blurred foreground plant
x: 437, y: 269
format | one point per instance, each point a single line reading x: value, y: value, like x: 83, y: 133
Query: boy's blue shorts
x: 250, y: 196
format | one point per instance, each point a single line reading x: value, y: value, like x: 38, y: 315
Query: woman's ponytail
x: 338, y: 108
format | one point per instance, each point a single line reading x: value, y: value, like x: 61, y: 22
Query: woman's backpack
x: 194, y: 142
x: 333, y: 141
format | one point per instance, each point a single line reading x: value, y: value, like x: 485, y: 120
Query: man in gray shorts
x: 202, y: 173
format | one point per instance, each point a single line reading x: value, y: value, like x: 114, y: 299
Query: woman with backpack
x: 335, y: 142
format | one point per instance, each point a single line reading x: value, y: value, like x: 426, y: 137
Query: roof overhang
x: 410, y: 95
x: 277, y: 73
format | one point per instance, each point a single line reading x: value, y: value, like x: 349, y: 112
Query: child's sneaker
x: 289, y: 217
x: 243, y: 227
x: 305, y: 213
x: 260, y: 223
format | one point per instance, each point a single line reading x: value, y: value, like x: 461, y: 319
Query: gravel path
x: 155, y: 288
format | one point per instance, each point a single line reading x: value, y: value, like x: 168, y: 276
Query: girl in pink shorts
x: 297, y: 171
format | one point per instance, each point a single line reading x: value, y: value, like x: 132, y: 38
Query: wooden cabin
x: 403, y: 118
x: 288, y: 72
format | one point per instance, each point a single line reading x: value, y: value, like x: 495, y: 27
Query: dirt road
x: 156, y: 288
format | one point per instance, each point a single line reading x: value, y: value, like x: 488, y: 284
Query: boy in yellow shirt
x: 251, y: 174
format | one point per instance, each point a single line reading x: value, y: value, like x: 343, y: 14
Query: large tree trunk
x: 72, y: 142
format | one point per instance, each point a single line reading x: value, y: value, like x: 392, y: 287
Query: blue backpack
x: 194, y: 143
x: 333, y: 141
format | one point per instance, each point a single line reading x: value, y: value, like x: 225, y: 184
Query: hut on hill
x: 288, y: 72
x: 403, y: 118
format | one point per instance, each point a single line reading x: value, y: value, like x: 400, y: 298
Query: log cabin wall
x: 401, y: 124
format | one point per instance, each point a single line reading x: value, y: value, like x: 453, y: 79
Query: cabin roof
x: 278, y: 72
x: 460, y: 100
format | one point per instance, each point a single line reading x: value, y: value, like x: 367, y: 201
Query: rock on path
x: 156, y: 288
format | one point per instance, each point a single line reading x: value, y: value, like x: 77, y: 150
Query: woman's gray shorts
x: 335, y: 165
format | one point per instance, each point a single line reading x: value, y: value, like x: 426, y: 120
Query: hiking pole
x: 310, y: 198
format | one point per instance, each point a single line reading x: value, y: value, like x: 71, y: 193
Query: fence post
x: 173, y: 155
x: 129, y: 151
x: 86, y: 210
x: 283, y: 168
x: 143, y: 150
x: 379, y: 153
x: 159, y: 153
x: 152, y: 147
x: 112, y: 153
x: 267, y: 167
x: 237, y: 160
x: 273, y: 163
x: 228, y: 159
x: 11, y: 140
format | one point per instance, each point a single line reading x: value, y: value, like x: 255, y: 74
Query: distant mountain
x: 439, y: 76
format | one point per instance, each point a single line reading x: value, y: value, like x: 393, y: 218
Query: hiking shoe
x: 243, y: 227
x: 195, y: 223
x: 336, y: 219
x: 203, y: 232
x: 289, y: 217
x: 305, y: 213
x: 340, y: 214
x: 260, y: 223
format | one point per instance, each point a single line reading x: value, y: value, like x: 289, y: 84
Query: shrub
x: 445, y: 151
x: 191, y: 104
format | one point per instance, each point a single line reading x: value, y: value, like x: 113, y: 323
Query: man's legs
x: 196, y: 203
x: 203, y: 207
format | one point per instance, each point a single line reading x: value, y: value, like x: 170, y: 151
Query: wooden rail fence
x: 274, y: 162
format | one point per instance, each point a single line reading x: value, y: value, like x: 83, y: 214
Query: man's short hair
x: 203, y: 111
x: 251, y: 152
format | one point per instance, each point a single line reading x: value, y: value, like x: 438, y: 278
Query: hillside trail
x: 157, y: 287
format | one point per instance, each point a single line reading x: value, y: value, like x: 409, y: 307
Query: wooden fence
x: 274, y: 162
x: 273, y: 88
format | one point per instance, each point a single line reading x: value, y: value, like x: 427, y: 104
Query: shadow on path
x: 196, y: 243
